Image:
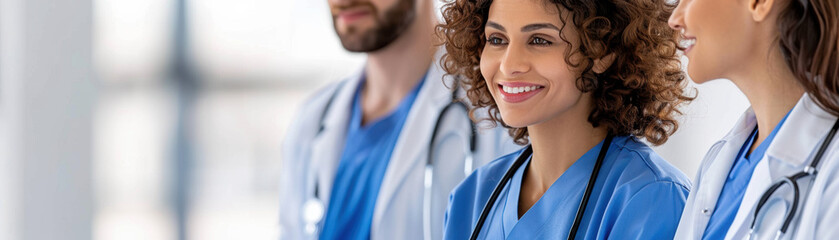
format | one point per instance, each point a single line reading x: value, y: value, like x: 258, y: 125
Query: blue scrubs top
x: 361, y: 170
x: 735, y: 185
x: 638, y: 195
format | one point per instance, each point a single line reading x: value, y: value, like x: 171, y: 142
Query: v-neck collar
x: 564, y: 194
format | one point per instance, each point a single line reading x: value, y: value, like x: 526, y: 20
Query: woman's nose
x: 676, y: 20
x: 514, y: 63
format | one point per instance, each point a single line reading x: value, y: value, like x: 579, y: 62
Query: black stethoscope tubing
x: 473, y: 130
x: 810, y: 170
x: 437, y: 125
x: 517, y: 164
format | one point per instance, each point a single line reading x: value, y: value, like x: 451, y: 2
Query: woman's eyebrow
x: 496, y: 26
x: 536, y: 26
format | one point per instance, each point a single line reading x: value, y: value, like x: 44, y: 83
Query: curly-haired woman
x: 581, y: 81
x: 776, y: 174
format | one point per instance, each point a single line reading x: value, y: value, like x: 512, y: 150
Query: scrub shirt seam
x: 653, y: 183
x: 658, y: 177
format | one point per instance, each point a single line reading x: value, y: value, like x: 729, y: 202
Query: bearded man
x: 375, y: 156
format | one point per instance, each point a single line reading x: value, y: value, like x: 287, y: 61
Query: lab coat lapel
x: 812, y: 132
x: 801, y: 135
x: 718, y: 170
x: 411, y: 147
x: 328, y: 146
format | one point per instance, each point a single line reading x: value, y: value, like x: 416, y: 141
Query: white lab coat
x: 793, y: 148
x: 399, y: 206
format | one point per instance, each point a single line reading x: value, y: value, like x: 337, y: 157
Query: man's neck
x: 393, y: 71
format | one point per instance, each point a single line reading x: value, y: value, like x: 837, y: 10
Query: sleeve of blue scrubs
x: 456, y: 223
x: 651, y: 213
x: 446, y: 216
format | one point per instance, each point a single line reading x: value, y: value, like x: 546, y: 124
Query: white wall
x: 47, y: 93
x: 706, y: 120
x: 11, y: 41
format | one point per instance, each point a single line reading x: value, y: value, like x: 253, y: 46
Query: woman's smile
x: 515, y: 92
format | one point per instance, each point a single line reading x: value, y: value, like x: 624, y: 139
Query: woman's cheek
x: 488, y: 69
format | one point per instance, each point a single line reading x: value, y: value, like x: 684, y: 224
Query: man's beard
x: 393, y: 23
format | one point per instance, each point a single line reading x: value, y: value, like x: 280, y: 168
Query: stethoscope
x: 792, y: 181
x: 314, y: 208
x: 520, y: 161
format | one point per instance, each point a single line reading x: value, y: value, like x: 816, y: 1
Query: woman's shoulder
x: 641, y: 165
x: 486, y: 175
x: 638, y: 178
x: 500, y: 164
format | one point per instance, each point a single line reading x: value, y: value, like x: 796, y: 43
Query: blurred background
x: 163, y: 119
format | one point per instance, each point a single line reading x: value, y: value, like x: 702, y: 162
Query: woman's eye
x: 540, y: 41
x: 495, y: 41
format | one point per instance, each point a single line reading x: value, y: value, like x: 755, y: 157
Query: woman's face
x: 718, y: 35
x: 523, y: 62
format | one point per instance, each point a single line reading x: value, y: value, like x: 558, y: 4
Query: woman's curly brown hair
x: 638, y: 94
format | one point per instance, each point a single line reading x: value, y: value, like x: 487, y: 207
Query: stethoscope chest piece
x: 313, y: 211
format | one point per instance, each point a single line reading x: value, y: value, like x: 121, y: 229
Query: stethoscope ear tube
x: 790, y: 213
x: 764, y: 198
x: 824, y: 145
x: 794, y: 208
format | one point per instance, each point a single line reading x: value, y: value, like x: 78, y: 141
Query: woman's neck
x: 772, y: 91
x: 557, y: 144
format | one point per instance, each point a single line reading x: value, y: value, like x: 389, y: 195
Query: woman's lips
x: 515, y: 92
x: 687, y: 43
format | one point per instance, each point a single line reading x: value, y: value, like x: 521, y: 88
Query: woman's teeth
x: 686, y: 43
x: 515, y: 90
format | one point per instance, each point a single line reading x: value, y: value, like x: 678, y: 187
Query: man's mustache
x: 352, y: 5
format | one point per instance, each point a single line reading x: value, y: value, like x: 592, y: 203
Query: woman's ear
x: 760, y: 9
x: 600, y: 65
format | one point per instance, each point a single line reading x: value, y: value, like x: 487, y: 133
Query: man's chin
x: 359, y: 46
x: 361, y: 42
